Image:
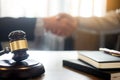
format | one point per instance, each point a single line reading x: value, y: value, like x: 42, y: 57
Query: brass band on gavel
x: 20, y: 44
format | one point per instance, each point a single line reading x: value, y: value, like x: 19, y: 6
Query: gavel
x: 19, y: 65
x: 18, y: 45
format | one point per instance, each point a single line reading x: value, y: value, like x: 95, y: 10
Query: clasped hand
x: 61, y: 24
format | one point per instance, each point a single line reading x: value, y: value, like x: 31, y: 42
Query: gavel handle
x: 6, y: 50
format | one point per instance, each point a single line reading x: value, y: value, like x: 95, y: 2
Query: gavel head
x: 18, y: 45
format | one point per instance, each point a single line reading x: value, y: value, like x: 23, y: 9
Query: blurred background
x: 45, y: 8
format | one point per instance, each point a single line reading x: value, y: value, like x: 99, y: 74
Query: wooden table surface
x: 54, y: 70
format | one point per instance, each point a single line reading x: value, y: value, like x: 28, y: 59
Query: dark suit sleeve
x: 9, y: 24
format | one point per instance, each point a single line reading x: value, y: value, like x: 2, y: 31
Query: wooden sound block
x: 9, y: 69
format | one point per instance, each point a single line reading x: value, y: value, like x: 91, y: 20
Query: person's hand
x: 61, y: 24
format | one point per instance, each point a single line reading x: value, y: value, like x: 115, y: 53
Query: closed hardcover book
x: 103, y: 74
x: 99, y: 59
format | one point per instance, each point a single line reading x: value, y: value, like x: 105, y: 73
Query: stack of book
x: 97, y: 63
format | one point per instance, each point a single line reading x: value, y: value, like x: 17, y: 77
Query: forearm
x: 91, y: 23
x: 109, y: 22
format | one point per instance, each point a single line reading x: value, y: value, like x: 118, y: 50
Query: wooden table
x: 54, y: 70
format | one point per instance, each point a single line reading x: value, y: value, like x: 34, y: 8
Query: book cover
x: 81, y: 66
x: 99, y: 59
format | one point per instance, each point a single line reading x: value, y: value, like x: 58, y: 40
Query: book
x: 99, y: 59
x: 113, y: 74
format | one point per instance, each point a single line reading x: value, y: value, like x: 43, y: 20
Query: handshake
x: 61, y: 24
